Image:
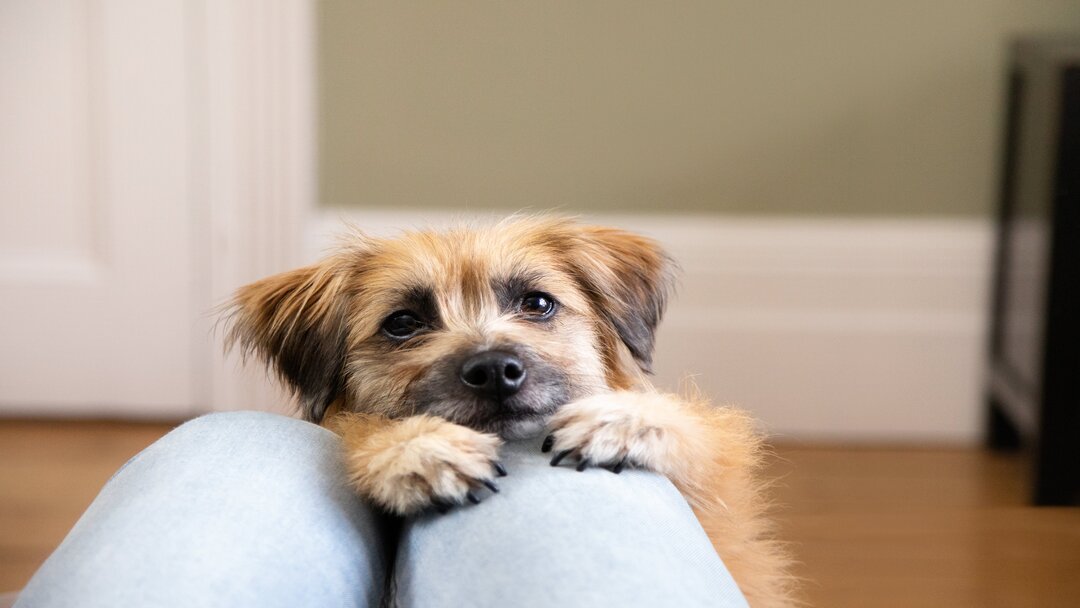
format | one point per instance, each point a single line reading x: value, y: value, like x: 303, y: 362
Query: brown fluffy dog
x: 425, y: 351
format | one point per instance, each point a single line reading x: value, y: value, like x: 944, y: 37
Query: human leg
x: 232, y: 509
x: 557, y: 537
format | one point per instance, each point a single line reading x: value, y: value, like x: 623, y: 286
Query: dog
x: 426, y: 351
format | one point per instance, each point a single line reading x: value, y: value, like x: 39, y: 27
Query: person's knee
x: 210, y: 428
x: 534, y: 483
x: 598, y: 486
x: 229, y: 422
x: 606, y: 537
x: 224, y: 438
x: 239, y: 496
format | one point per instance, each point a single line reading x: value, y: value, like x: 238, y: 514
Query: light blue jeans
x: 250, y: 509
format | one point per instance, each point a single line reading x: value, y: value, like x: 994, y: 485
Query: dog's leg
x: 409, y: 464
x: 710, y: 453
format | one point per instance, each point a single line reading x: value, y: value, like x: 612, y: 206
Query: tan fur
x: 401, y: 464
x: 408, y: 447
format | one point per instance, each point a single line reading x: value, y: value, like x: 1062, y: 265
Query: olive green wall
x: 753, y: 106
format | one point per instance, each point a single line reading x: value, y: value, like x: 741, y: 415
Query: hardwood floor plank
x: 913, y: 528
x: 49, y: 473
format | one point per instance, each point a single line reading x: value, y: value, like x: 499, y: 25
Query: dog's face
x: 492, y: 327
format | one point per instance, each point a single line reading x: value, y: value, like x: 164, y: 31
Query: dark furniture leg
x: 1034, y: 400
x: 1001, y: 433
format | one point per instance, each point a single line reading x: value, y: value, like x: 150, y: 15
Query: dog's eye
x: 538, y: 305
x: 402, y: 324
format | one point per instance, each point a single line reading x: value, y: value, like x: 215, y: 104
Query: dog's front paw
x: 425, y: 461
x: 616, y: 430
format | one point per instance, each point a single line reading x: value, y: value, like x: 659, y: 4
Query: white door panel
x: 97, y: 286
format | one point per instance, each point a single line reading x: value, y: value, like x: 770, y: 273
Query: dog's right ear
x: 295, y: 322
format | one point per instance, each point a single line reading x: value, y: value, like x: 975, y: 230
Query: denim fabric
x: 559, y: 537
x: 250, y: 509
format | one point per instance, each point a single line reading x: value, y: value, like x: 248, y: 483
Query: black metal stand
x: 1040, y: 195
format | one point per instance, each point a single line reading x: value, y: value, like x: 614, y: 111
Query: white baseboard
x: 827, y: 329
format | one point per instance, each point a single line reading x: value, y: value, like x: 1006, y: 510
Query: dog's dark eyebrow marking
x: 420, y: 300
x: 509, y: 289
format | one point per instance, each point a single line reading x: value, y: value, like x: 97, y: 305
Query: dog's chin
x: 522, y: 428
x: 508, y: 425
x: 522, y: 416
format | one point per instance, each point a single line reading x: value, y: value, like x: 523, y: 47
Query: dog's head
x: 492, y: 327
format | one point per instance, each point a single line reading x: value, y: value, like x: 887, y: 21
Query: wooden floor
x: 872, y: 527
x: 912, y: 528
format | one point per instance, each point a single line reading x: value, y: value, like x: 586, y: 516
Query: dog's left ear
x: 628, y: 277
x: 295, y: 322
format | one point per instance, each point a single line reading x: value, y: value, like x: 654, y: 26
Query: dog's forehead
x: 473, y: 263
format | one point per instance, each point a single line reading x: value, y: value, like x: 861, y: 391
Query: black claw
x: 584, y: 464
x: 499, y: 469
x: 619, y: 466
x: 559, y: 457
x: 549, y: 442
x: 473, y: 498
x: 490, y: 485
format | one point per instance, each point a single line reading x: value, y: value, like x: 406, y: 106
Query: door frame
x: 253, y: 172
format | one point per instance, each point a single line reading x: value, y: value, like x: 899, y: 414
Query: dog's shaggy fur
x: 373, y: 340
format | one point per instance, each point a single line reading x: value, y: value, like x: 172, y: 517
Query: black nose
x: 494, y: 374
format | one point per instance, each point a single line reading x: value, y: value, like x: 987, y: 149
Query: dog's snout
x: 494, y: 374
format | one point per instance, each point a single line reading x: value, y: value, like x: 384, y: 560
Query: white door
x: 154, y: 156
x: 98, y: 291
